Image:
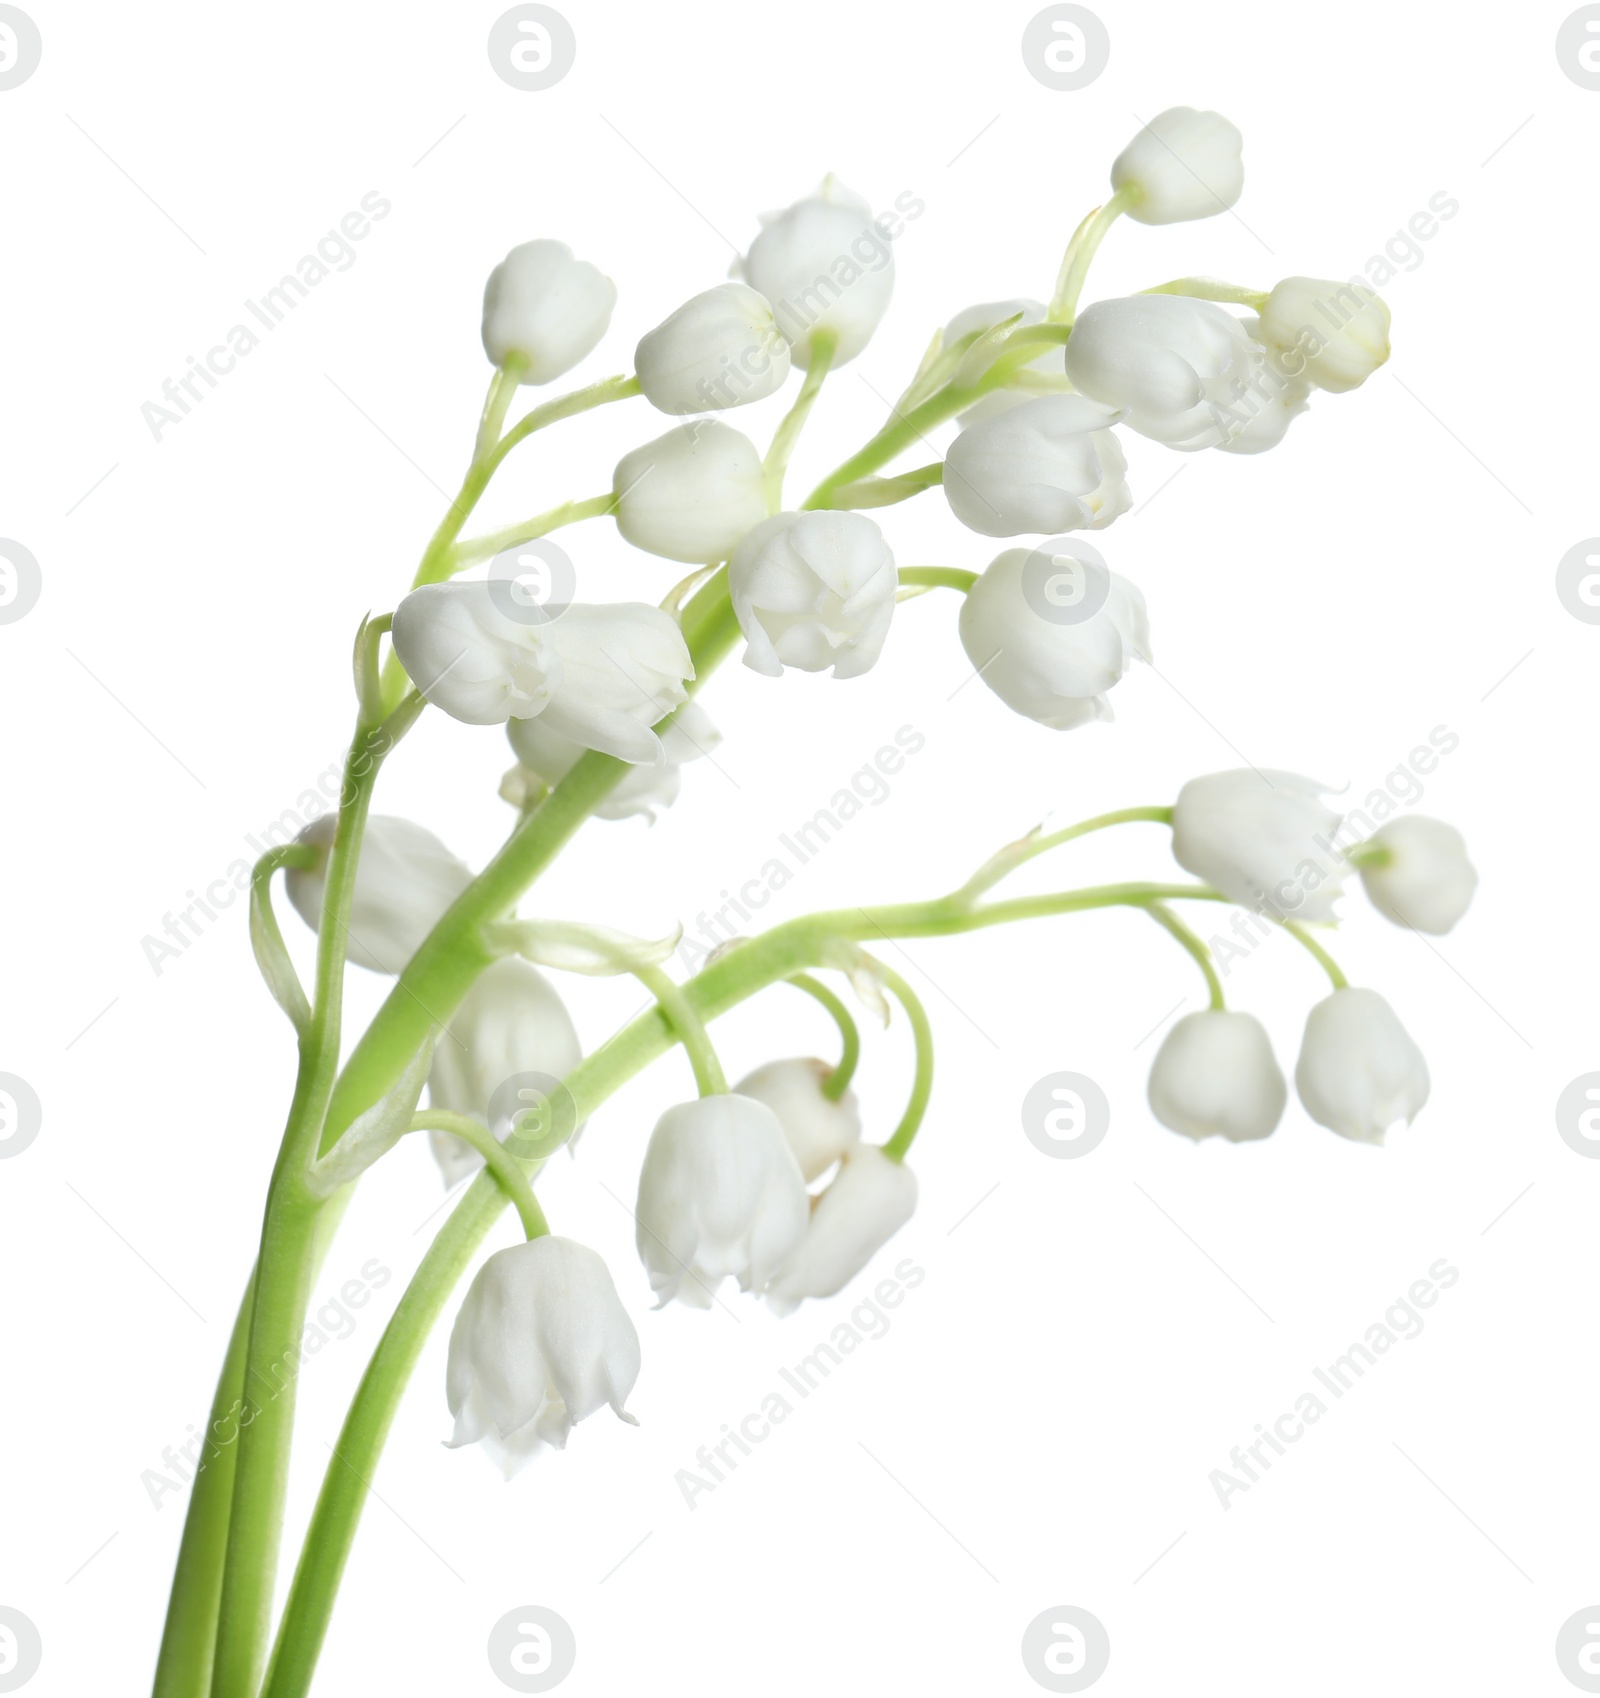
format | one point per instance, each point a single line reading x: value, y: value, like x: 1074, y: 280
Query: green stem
x: 1086, y: 240
x: 709, y: 1078
x: 600, y: 394
x: 1026, y: 849
x: 787, y: 434
x: 1329, y: 966
x: 912, y: 425
x: 188, y: 1641
x: 922, y: 1081
x: 284, y: 1268
x: 730, y: 980
x: 1212, y: 289
x: 507, y: 1171
x: 887, y: 492
x: 938, y: 577
x: 1164, y: 916
x: 266, y: 936
x: 502, y: 391
x: 480, y: 548
x: 838, y: 1079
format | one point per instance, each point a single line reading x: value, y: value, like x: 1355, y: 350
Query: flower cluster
x: 772, y: 1183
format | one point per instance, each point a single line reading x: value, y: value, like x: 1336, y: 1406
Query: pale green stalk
x: 506, y: 1169
x: 1331, y: 967
x: 1164, y: 916
x: 839, y: 1077
x: 787, y: 434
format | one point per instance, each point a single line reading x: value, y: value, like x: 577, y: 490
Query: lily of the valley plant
x: 776, y: 1183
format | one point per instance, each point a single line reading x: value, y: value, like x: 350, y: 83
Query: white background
x: 1092, y: 1337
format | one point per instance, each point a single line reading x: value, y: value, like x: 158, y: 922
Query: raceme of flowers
x: 723, y: 1189
x: 780, y: 1187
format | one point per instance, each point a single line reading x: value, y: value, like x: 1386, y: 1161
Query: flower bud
x: 1359, y: 1069
x: 825, y: 265
x: 1264, y: 838
x: 1215, y: 1072
x: 599, y: 675
x: 819, y: 1130
x: 541, y: 1342
x: 1416, y: 872
x: 1340, y: 330
x: 870, y: 1199
x: 1049, y: 465
x: 545, y: 305
x: 1050, y: 360
x: 1044, y: 657
x: 1177, y: 369
x: 545, y: 758
x: 511, y: 1021
x: 691, y: 494
x: 720, y: 1193
x: 405, y: 880
x: 720, y: 349
x: 813, y: 590
x: 1183, y: 164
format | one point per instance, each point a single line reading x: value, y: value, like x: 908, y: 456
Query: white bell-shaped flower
x: 825, y: 265
x: 1335, y: 334
x: 1176, y: 369
x: 1049, y: 465
x: 691, y: 494
x: 1264, y: 838
x: 542, y: 1341
x: 819, y: 1130
x: 813, y: 590
x: 1359, y: 1070
x: 720, y: 349
x: 1416, y: 872
x: 1215, y: 1073
x: 510, y: 1023
x: 720, y: 1193
x: 601, y: 675
x: 870, y: 1198
x: 1265, y: 405
x: 405, y: 880
x: 545, y: 757
x: 1051, y: 361
x: 1052, y: 656
x: 548, y: 307
x: 1183, y: 164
